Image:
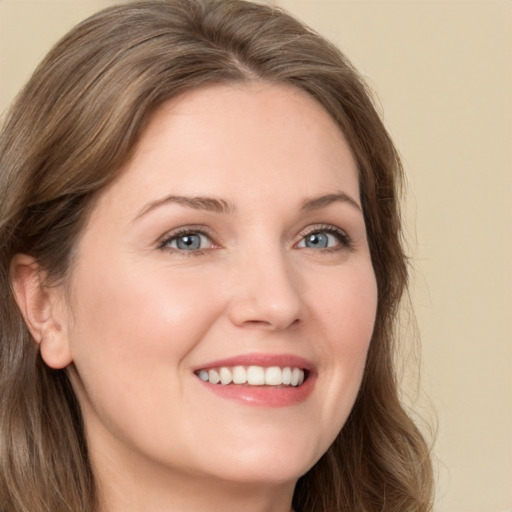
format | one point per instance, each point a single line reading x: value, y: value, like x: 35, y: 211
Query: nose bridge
x: 266, y: 289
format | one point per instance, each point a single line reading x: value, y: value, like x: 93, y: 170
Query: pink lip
x: 264, y: 396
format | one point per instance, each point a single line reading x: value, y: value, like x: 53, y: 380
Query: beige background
x: 442, y: 71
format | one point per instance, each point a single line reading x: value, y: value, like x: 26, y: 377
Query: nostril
x: 259, y: 324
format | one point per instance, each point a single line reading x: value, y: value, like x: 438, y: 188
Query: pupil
x: 317, y: 240
x: 189, y: 242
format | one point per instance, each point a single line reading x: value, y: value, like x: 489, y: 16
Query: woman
x: 201, y: 268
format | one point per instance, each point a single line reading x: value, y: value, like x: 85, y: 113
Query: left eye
x: 320, y: 240
x: 188, y: 242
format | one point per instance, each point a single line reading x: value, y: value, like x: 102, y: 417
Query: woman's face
x: 232, y: 246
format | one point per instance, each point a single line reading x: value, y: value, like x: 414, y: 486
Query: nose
x: 265, y: 293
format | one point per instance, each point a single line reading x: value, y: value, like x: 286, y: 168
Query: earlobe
x: 42, y: 310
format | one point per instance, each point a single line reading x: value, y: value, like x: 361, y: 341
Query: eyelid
x: 345, y: 242
x: 344, y: 239
x: 185, y: 230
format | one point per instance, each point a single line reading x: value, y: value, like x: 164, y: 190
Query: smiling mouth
x: 254, y: 376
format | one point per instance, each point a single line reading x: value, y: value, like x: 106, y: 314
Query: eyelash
x: 343, y: 238
x: 170, y: 237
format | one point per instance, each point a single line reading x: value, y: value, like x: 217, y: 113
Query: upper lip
x: 257, y: 359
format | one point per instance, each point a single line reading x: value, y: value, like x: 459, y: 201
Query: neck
x: 135, y: 487
x: 179, y: 494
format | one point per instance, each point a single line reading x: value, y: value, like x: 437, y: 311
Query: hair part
x: 69, y: 134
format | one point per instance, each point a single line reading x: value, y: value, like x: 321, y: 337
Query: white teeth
x: 273, y: 376
x: 239, y: 375
x: 225, y: 376
x: 213, y: 376
x: 295, y: 377
x: 253, y: 376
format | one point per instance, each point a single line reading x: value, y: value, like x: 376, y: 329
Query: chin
x: 273, y: 461
x: 268, y: 473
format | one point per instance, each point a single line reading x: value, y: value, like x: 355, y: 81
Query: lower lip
x: 264, y: 396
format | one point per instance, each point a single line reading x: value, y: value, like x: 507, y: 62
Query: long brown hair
x: 68, y: 135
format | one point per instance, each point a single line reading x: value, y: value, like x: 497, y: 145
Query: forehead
x: 240, y: 140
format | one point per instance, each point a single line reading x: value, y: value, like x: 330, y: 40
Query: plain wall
x: 442, y: 71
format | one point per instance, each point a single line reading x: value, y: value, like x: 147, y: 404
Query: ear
x: 43, y: 308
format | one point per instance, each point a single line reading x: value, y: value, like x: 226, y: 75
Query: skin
x: 138, y: 315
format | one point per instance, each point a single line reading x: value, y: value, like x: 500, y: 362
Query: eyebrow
x: 323, y: 201
x: 210, y: 204
x: 218, y: 205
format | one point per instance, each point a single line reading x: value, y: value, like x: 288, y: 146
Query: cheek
x: 131, y: 337
x: 357, y: 308
x: 123, y: 303
x: 136, y: 325
x: 346, y: 309
x: 346, y: 305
